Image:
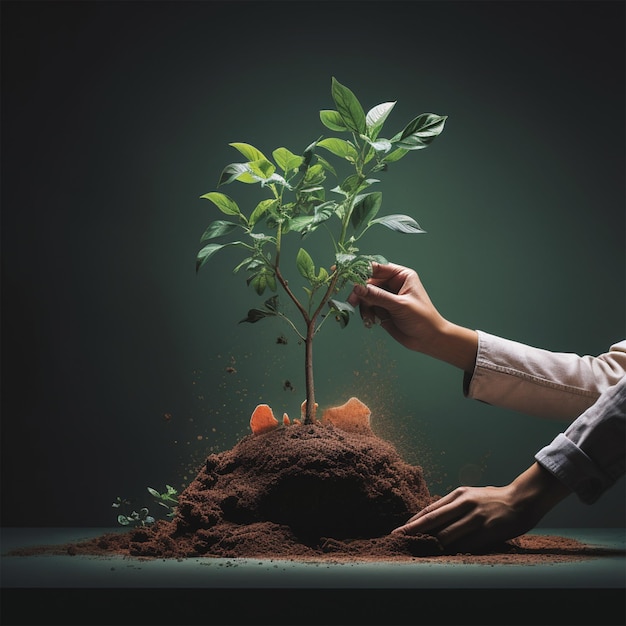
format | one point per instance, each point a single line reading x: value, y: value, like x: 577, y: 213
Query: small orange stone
x: 286, y: 421
x: 353, y: 415
x: 262, y: 419
x: 303, y: 409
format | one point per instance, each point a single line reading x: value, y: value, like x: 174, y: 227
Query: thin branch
x: 285, y: 286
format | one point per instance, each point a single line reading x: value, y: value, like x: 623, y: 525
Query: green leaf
x: 376, y: 117
x: 341, y: 311
x: 399, y: 223
x: 348, y: 106
x: 123, y: 520
x: 305, y: 264
x: 307, y: 155
x: 271, y: 304
x: 355, y: 268
x: 353, y: 184
x: 322, y: 275
x: 286, y: 159
x: 223, y: 202
x: 341, y: 306
x: 209, y: 250
x: 376, y: 257
x: 262, y: 237
x: 326, y: 165
x: 236, y: 171
x: 308, y: 223
x: 340, y: 147
x: 380, y: 145
x: 154, y: 493
x: 394, y: 156
x: 218, y: 229
x: 332, y: 119
x: 262, y: 279
x: 344, y: 259
x: 250, y: 152
x: 254, y: 315
x: 275, y: 179
x: 314, y: 175
x: 302, y: 223
x: 244, y: 263
x: 262, y: 168
x: 420, y: 132
x: 365, y: 208
x: 261, y: 209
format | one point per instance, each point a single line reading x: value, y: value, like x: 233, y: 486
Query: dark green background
x: 116, y: 117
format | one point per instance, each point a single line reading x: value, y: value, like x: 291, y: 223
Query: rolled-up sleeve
x: 589, y: 457
x: 539, y: 382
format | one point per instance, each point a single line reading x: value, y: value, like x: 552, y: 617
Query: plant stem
x: 309, y: 416
x: 308, y: 348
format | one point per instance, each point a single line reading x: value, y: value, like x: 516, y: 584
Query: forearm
x: 453, y: 344
x: 536, y: 491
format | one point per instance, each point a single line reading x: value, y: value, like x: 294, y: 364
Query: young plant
x: 135, y: 518
x: 168, y: 499
x: 299, y: 200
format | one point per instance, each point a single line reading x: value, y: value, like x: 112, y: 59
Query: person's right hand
x: 395, y: 297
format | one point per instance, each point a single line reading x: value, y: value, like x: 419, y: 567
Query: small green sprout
x: 168, y: 499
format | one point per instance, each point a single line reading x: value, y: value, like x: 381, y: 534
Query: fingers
x: 388, y: 277
x: 378, y: 298
x: 433, y: 516
x: 386, y: 271
x: 468, y: 519
x: 450, y: 519
x: 373, y: 315
x: 375, y: 304
x: 372, y: 295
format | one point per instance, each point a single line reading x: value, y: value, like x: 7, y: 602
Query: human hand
x: 470, y: 519
x: 395, y: 297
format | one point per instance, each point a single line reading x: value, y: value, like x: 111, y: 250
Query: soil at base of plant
x: 307, y: 493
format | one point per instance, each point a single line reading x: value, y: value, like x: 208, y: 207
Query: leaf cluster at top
x: 299, y: 199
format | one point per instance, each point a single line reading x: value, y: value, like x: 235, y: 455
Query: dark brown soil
x: 311, y: 493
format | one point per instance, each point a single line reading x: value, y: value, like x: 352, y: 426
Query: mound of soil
x: 305, y: 492
x: 300, y: 491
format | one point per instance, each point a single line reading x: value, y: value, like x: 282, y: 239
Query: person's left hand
x: 471, y: 519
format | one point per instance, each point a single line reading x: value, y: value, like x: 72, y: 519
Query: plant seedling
x: 168, y: 499
x: 297, y: 198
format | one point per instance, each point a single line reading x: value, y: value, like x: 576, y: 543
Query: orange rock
x: 303, y: 410
x: 353, y: 415
x: 263, y: 419
x: 286, y: 419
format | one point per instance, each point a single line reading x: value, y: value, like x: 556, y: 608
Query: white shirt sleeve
x: 539, y: 382
x: 589, y: 456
